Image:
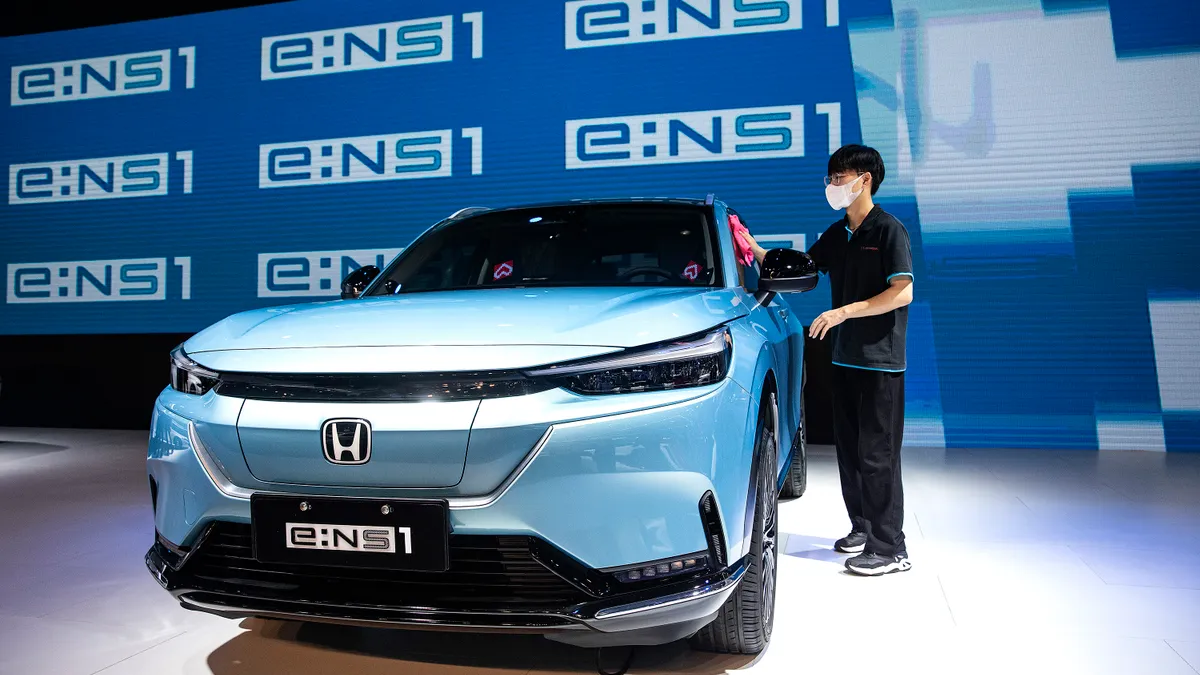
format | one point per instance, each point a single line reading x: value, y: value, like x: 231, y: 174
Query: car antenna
x: 708, y: 201
x: 467, y: 211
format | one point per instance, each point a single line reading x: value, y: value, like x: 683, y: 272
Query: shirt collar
x: 867, y: 222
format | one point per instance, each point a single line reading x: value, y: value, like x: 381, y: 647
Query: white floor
x: 1024, y: 562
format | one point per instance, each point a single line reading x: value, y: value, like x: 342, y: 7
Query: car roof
x: 682, y: 201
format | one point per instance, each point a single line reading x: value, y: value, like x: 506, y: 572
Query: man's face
x: 844, y: 178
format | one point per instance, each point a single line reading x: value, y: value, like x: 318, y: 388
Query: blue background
x: 1042, y: 153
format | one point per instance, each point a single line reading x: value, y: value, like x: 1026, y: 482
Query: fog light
x: 668, y: 568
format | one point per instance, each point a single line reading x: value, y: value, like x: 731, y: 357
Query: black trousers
x: 868, y: 427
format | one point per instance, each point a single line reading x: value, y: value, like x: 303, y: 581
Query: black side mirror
x: 785, y: 270
x: 357, y: 281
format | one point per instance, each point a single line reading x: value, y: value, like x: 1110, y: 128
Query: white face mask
x: 841, y: 196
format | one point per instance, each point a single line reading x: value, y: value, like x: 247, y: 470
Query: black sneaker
x: 851, y: 543
x: 873, y: 564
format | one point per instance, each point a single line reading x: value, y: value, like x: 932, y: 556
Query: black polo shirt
x: 861, y: 264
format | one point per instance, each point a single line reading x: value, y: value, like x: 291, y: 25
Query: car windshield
x: 577, y: 245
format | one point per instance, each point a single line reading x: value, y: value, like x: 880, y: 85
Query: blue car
x: 571, y: 419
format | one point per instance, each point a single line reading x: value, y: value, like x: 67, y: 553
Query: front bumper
x: 604, y: 487
x: 610, y: 489
x: 216, y: 577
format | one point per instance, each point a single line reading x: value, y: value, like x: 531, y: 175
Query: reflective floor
x: 1024, y: 562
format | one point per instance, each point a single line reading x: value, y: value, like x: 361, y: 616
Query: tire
x: 797, y: 479
x: 743, y: 624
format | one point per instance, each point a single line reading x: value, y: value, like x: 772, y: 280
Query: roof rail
x: 708, y: 201
x: 467, y: 211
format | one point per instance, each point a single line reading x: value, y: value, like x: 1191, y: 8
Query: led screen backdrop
x: 1043, y: 154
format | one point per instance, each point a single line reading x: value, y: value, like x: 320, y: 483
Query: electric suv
x: 571, y: 419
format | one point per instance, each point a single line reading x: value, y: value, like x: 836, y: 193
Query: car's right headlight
x: 188, y: 376
x: 686, y: 362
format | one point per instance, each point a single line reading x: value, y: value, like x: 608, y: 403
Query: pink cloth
x: 743, y: 252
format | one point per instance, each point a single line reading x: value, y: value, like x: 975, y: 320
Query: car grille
x: 366, y: 387
x: 487, y: 573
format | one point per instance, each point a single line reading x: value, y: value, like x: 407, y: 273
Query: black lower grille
x: 379, y: 386
x: 487, y: 573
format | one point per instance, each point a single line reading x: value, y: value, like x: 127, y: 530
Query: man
x: 869, y: 262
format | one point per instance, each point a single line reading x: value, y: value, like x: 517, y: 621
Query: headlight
x: 688, y: 362
x: 188, y: 376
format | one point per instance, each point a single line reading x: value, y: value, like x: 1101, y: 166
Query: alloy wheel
x: 770, y: 537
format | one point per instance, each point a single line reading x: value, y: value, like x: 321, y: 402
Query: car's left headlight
x: 188, y: 376
x: 687, y: 362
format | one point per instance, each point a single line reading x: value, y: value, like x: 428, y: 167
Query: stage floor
x: 1023, y: 562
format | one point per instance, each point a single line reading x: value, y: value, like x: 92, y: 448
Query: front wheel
x: 743, y: 624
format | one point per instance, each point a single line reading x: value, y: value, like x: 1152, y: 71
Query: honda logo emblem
x: 346, y: 441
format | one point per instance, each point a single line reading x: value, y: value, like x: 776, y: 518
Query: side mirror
x: 785, y: 270
x: 357, y: 281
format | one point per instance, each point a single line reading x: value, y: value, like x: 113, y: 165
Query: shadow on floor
x: 13, y: 450
x: 812, y: 548
x: 287, y: 648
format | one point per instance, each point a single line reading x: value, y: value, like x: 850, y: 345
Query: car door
x: 784, y: 332
x: 774, y: 320
x: 791, y: 400
x: 784, y: 336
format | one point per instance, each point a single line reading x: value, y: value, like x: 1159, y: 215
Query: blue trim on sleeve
x: 881, y: 370
x: 900, y: 274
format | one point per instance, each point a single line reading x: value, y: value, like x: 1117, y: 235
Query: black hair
x: 858, y: 158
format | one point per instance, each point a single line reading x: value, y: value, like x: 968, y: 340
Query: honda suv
x: 570, y: 419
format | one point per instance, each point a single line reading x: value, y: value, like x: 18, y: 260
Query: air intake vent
x: 713, y: 531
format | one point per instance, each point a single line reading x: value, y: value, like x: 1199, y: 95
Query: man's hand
x: 821, y: 325
x: 759, y: 251
x: 898, y: 294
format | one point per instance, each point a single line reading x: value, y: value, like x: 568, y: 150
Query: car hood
x: 608, y: 317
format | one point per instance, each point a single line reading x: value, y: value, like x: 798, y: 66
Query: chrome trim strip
x: 677, y: 599
x: 218, y: 477
x: 226, y: 487
x: 426, y: 624
x: 597, y: 622
x: 459, y: 503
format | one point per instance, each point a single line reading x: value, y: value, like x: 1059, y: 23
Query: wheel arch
x: 768, y: 388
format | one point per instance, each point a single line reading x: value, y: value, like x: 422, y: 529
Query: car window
x: 585, y: 245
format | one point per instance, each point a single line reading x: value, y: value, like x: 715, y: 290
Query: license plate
x: 388, y: 534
